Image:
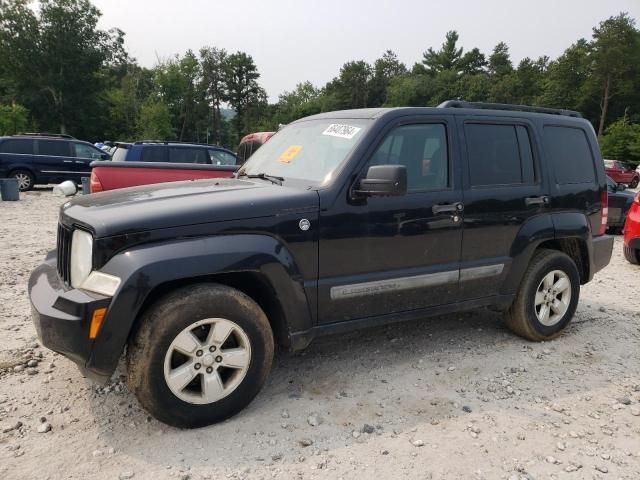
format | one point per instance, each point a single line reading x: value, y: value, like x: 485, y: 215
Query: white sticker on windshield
x: 342, y: 131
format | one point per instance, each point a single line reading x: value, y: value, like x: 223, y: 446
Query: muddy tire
x: 631, y: 254
x: 547, y: 298
x: 200, y: 355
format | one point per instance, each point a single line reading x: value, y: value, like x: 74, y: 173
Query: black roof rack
x: 43, y: 134
x: 509, y: 107
x: 166, y: 142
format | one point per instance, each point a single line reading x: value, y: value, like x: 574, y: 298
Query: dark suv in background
x: 39, y: 159
x: 173, y: 152
x: 341, y: 221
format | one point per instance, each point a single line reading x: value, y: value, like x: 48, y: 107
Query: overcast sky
x: 293, y: 41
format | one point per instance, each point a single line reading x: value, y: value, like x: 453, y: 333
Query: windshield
x: 310, y: 151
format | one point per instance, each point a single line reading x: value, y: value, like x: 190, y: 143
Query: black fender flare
x: 146, y: 267
x: 542, y: 228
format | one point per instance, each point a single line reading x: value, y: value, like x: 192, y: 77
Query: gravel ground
x: 452, y: 397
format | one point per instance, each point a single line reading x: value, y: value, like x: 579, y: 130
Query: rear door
x: 55, y: 159
x: 84, y: 155
x: 503, y: 190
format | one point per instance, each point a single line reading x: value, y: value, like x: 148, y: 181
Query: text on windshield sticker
x: 290, y: 153
x: 340, y: 130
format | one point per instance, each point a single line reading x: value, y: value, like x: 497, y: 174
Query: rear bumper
x: 601, y: 253
x: 62, y: 315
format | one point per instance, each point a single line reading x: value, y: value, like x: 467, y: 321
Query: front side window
x: 54, y: 148
x: 86, y: 151
x: 311, y: 151
x: 499, y: 155
x: 22, y: 146
x: 422, y: 149
x: 220, y: 157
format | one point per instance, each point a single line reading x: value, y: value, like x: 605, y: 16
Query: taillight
x: 604, y: 213
x: 94, y: 183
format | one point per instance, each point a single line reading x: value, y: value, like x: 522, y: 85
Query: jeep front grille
x: 64, y: 253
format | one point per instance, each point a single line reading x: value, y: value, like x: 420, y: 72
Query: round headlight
x: 81, y: 257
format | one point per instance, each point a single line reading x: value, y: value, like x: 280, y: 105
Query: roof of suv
x: 455, y: 107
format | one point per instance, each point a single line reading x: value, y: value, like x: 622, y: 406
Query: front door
x: 385, y: 255
x: 84, y: 155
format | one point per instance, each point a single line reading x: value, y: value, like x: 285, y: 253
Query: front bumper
x: 601, y: 253
x: 62, y: 315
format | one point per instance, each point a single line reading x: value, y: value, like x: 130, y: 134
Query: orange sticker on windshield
x: 290, y: 153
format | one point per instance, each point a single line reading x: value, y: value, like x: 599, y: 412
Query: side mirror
x: 620, y: 187
x: 384, y: 181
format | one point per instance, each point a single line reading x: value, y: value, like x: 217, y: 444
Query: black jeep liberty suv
x: 341, y: 221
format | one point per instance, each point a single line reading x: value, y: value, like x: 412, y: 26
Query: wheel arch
x: 258, y: 265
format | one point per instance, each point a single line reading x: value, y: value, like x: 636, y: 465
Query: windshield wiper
x: 263, y: 176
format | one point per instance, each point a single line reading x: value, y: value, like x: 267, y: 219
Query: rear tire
x: 634, y: 182
x: 25, y: 178
x: 200, y: 355
x: 632, y: 255
x: 547, y: 298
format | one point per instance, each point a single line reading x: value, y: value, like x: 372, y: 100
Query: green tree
x: 54, y: 57
x: 243, y: 92
x: 614, y: 58
x: 154, y: 122
x: 300, y: 102
x: 622, y: 142
x: 351, y: 88
x: 212, y: 64
x: 500, y: 60
x: 14, y: 118
x: 385, y: 69
x: 473, y: 62
x: 447, y: 58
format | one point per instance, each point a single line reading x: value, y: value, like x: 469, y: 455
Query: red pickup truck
x: 622, y: 172
x: 111, y: 175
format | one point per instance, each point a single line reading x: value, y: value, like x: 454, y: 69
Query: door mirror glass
x: 384, y: 180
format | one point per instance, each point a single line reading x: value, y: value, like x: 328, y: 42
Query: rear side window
x: 187, y: 155
x: 568, y: 149
x: 24, y: 147
x: 499, y: 155
x: 154, y: 153
x: 54, y: 148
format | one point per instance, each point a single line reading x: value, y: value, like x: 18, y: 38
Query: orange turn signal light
x: 96, y: 322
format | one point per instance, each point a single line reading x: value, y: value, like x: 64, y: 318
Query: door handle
x: 67, y: 161
x: 457, y: 207
x: 543, y: 200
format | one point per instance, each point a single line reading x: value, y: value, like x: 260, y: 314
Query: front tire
x: 547, y: 298
x: 632, y: 255
x: 634, y: 182
x: 200, y: 355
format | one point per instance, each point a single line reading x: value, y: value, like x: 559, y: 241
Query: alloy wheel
x: 553, y: 297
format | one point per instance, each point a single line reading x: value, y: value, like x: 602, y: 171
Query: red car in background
x: 622, y: 172
x: 632, y: 233
x: 252, y: 142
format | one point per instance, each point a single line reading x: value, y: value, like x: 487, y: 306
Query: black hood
x: 174, y: 204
